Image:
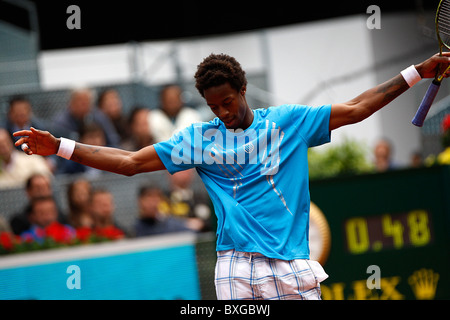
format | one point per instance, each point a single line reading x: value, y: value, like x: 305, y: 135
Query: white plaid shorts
x: 252, y: 276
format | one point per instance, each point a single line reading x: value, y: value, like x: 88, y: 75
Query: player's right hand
x: 38, y: 142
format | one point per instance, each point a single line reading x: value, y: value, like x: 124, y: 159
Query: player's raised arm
x: 128, y: 163
x: 376, y: 98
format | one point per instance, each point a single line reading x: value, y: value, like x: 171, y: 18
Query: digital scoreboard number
x: 387, y: 231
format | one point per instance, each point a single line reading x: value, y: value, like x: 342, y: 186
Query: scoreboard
x: 398, y: 231
x: 397, y: 223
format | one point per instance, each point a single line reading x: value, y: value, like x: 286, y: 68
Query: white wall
x: 313, y: 63
x: 308, y: 60
x: 84, y: 66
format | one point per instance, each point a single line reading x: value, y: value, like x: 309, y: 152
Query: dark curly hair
x: 217, y: 69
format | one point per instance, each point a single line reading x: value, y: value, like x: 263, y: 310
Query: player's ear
x: 243, y: 90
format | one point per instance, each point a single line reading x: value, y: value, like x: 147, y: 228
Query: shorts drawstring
x: 250, y: 256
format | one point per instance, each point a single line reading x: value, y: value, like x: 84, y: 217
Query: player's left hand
x: 428, y: 68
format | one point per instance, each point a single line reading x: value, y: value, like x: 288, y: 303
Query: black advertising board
x: 389, y: 234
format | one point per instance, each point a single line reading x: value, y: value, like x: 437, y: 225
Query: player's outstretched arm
x: 108, y: 159
x: 372, y: 100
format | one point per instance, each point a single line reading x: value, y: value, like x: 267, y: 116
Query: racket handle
x: 427, y: 101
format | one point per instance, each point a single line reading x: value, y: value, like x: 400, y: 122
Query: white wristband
x: 66, y: 148
x: 411, y: 76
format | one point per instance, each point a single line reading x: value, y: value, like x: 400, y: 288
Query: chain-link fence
x: 432, y: 127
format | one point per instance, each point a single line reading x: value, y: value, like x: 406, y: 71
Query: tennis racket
x: 443, y: 35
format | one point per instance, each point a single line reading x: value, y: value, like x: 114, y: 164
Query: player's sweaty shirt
x: 257, y: 178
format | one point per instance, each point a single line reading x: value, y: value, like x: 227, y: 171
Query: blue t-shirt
x: 257, y: 179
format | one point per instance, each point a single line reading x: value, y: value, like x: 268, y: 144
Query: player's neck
x: 248, y: 119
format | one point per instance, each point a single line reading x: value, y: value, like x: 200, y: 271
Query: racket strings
x: 443, y: 22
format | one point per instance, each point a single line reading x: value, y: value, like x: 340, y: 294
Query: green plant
x: 347, y: 158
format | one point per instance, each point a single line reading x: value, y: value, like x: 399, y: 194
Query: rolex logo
x: 423, y: 283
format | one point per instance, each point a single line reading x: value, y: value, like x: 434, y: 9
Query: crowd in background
x: 91, y: 211
x: 102, y: 122
x: 97, y: 121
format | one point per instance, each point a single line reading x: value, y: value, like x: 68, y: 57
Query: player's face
x: 229, y: 105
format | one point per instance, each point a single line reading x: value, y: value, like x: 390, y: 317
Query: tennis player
x: 253, y: 163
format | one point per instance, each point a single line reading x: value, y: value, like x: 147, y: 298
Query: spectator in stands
x: 140, y: 133
x: 92, y: 134
x: 20, y: 116
x: 79, y: 113
x: 151, y: 221
x: 37, y: 185
x: 110, y: 103
x: 172, y: 116
x: 15, y: 166
x: 383, y: 156
x: 44, y: 222
x: 184, y: 202
x: 78, y: 194
x: 416, y: 160
x: 102, y: 210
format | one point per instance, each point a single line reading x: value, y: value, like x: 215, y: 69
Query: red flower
x: 110, y: 232
x: 446, y: 123
x: 27, y: 238
x: 60, y: 233
x: 40, y: 232
x: 84, y: 233
x: 7, y: 240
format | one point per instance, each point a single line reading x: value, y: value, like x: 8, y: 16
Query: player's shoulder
x: 212, y: 124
